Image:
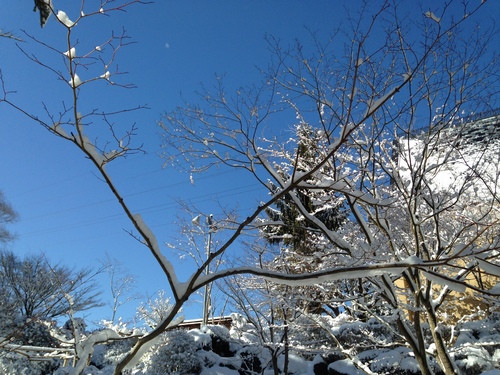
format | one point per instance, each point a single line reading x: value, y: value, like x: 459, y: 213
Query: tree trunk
x: 417, y: 343
x: 444, y: 360
x: 286, y: 348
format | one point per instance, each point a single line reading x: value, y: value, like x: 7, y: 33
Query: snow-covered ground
x: 367, y: 347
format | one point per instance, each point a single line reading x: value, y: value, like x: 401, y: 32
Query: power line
x: 113, y: 199
x: 150, y: 209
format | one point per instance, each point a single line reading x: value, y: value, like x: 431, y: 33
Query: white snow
x: 472, y: 350
x: 63, y: 17
x: 375, y: 104
x: 143, y: 349
x: 345, y: 367
x: 85, y: 349
x: 59, y: 130
x: 71, y: 53
x: 219, y: 371
x: 179, y: 287
x: 413, y: 260
x: 432, y: 16
x: 488, y: 267
x: 495, y: 289
x: 437, y: 279
x: 75, y: 81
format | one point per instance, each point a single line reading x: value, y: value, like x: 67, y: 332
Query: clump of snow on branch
x: 75, y: 81
x: 63, y: 17
x: 71, y: 53
x: 432, y: 16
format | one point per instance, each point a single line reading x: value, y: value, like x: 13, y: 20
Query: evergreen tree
x: 290, y: 228
x: 7, y: 216
x: 299, y: 240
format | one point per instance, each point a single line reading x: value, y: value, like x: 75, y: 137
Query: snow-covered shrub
x: 397, y: 361
x: 473, y: 360
x: 251, y: 360
x: 177, y: 356
x: 217, y: 348
x: 13, y: 363
x: 322, y: 362
x: 32, y: 332
x: 304, y: 333
x: 220, y: 340
x: 359, y: 335
x: 241, y: 329
x: 75, y: 323
x: 112, y: 353
x: 478, y: 330
x: 477, y: 347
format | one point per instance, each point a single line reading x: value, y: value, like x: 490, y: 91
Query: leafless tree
x: 39, y: 289
x: 121, y: 284
x: 363, y: 106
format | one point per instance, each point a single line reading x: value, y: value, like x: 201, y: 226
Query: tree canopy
x: 33, y: 287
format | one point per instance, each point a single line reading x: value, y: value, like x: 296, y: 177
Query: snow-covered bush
x: 75, y: 323
x: 153, y: 312
x: 13, y: 363
x: 220, y: 340
x: 477, y: 348
x: 391, y: 361
x: 177, y: 356
x: 359, y: 335
x: 251, y: 357
x: 111, y: 354
x: 32, y: 332
x: 241, y: 329
x: 304, y: 333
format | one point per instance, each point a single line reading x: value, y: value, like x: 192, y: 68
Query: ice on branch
x: 75, y: 81
x: 97, y: 48
x: 71, y: 53
x: 106, y: 75
x: 63, y: 17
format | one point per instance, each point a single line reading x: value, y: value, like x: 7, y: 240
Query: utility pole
x: 206, y: 294
x: 208, y: 288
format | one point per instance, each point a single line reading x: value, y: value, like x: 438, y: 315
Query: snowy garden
x: 347, y: 347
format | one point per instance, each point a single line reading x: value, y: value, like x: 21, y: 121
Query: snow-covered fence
x: 40, y: 353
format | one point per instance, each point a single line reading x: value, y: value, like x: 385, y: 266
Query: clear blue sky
x: 65, y: 210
